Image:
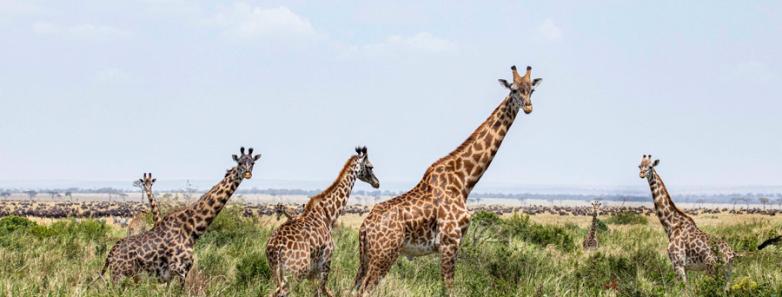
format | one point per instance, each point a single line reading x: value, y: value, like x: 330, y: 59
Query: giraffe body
x: 166, y: 251
x: 689, y: 248
x: 137, y: 224
x: 303, y: 245
x: 590, y: 241
x: 433, y: 216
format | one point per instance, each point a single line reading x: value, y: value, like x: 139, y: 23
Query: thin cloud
x: 89, y: 31
x: 550, y: 31
x: 245, y: 21
x: 422, y: 42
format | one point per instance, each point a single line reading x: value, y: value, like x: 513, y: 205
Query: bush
x: 519, y: 226
x: 252, y: 266
x: 227, y: 228
x: 12, y: 224
x: 627, y: 218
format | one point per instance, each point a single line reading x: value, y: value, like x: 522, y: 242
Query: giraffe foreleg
x: 678, y: 257
x: 450, y: 236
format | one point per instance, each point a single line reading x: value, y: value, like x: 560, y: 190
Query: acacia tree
x: 763, y: 201
x: 31, y: 194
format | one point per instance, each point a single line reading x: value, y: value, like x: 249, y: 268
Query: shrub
x: 252, y: 266
x: 12, y: 224
x: 519, y: 226
x: 627, y: 218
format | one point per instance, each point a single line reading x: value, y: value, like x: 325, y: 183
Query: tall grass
x: 510, y: 256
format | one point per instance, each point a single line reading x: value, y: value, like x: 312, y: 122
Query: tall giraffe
x: 302, y: 246
x: 432, y: 216
x: 689, y: 248
x: 138, y: 224
x: 590, y: 241
x: 167, y: 249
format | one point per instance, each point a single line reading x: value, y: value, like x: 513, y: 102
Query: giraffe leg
x: 450, y: 236
x: 324, y: 267
x: 180, y: 265
x: 363, y: 259
x: 678, y: 258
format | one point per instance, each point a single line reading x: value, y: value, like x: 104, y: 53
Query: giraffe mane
x: 317, y: 198
x: 469, y: 139
x: 675, y: 208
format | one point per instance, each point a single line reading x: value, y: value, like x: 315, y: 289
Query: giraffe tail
x: 363, y: 259
x: 771, y: 241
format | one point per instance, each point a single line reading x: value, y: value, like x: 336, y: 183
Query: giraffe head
x: 522, y: 87
x: 647, y: 165
x: 245, y: 163
x: 147, y: 181
x: 596, y: 207
x: 365, y: 168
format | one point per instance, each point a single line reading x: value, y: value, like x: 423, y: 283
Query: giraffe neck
x: 471, y: 159
x: 212, y: 202
x: 153, y: 206
x: 670, y: 216
x: 327, y: 205
x: 594, y: 225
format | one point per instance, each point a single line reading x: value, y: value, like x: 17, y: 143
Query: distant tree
x: 31, y: 194
x: 137, y: 184
x: 6, y: 194
x: 700, y: 203
x: 779, y: 202
x: 53, y: 194
x: 734, y: 200
x: 763, y: 201
x: 69, y: 194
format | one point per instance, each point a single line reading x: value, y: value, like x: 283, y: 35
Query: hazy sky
x: 105, y: 90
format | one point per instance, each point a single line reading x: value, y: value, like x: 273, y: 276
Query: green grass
x: 511, y: 256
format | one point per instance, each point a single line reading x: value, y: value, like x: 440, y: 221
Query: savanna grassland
x: 514, y: 255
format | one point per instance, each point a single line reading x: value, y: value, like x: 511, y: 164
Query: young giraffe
x: 167, y: 249
x: 147, y: 181
x: 280, y: 210
x: 688, y: 247
x: 302, y: 246
x: 138, y: 224
x: 590, y: 242
x: 432, y: 216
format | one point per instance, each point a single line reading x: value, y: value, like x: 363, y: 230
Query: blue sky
x: 105, y: 91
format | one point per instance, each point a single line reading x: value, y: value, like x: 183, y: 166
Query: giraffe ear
x: 258, y: 156
x: 504, y: 83
x: 536, y: 82
x: 364, y: 150
x: 235, y: 158
x: 141, y: 180
x: 656, y: 162
x: 154, y: 179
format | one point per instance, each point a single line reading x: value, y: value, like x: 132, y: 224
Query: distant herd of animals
x: 430, y: 218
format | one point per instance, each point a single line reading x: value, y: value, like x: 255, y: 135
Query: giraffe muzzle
x: 248, y: 175
x: 527, y: 108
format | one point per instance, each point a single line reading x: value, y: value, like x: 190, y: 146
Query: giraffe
x: 302, y: 246
x: 166, y: 251
x: 138, y: 224
x: 280, y: 210
x: 432, y: 216
x: 689, y: 248
x: 590, y: 242
x: 147, y: 181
